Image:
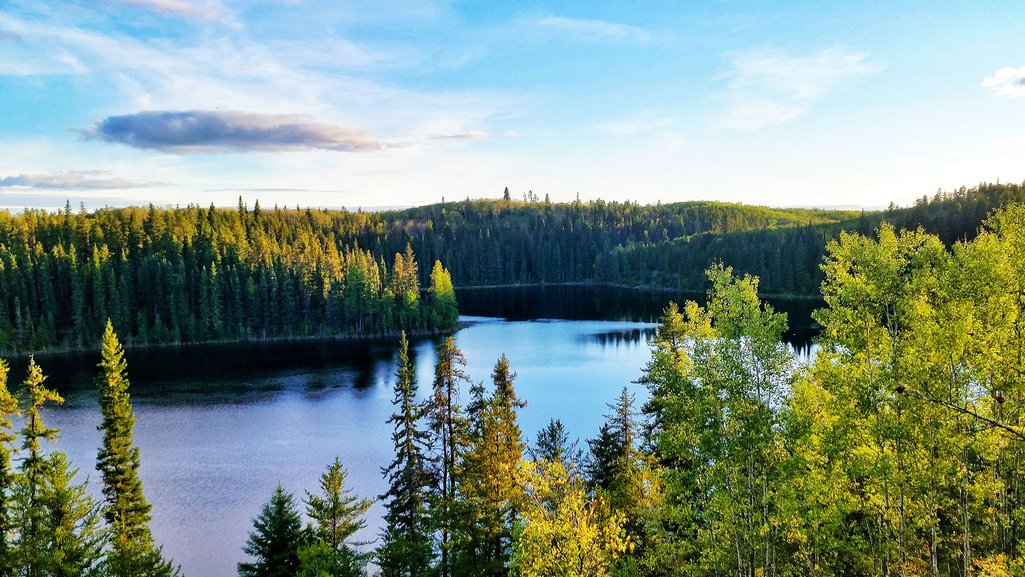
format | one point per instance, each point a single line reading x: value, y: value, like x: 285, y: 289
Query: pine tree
x: 448, y: 433
x: 337, y: 514
x: 8, y: 409
x: 72, y: 534
x: 32, y: 553
x: 132, y: 551
x: 552, y: 444
x: 406, y: 548
x: 276, y: 539
x: 488, y: 492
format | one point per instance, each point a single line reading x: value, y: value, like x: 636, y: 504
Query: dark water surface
x: 220, y: 426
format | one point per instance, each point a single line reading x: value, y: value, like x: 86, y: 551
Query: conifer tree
x: 552, y: 444
x: 487, y: 487
x: 132, y: 551
x: 276, y: 539
x: 448, y: 434
x: 31, y: 553
x: 8, y: 409
x: 443, y: 310
x: 406, y: 549
x: 72, y: 534
x: 337, y: 514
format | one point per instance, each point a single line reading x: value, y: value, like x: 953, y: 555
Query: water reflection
x: 596, y: 302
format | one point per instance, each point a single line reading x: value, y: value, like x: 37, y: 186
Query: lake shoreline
x: 624, y: 286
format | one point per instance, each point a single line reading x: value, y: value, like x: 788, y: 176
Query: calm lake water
x: 220, y: 426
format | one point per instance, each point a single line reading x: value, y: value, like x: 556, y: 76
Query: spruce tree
x: 337, y: 514
x: 31, y: 550
x: 132, y: 552
x: 276, y: 539
x: 406, y: 549
x: 448, y: 434
x: 8, y: 409
x: 488, y: 493
x: 72, y: 535
x: 552, y: 444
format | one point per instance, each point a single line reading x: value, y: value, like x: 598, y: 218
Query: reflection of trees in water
x: 624, y: 337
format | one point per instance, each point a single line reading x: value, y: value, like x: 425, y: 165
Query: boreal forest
x: 896, y: 451
x: 194, y: 274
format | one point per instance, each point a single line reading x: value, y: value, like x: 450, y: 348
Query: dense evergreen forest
x: 896, y: 452
x: 195, y: 274
x: 487, y: 242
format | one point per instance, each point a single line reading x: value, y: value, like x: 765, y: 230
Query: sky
x: 342, y: 103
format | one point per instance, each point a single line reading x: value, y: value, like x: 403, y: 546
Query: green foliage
x: 8, y: 409
x: 448, y: 432
x: 276, y: 539
x: 132, y: 551
x: 553, y: 444
x: 487, y: 491
x: 192, y: 274
x: 562, y: 532
x: 31, y: 553
x: 72, y: 535
x: 406, y: 549
x: 337, y: 514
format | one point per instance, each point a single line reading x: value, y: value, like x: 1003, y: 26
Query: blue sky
x: 401, y: 102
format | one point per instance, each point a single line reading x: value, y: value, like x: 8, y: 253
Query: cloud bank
x: 1007, y: 82
x: 70, y: 181
x: 227, y: 131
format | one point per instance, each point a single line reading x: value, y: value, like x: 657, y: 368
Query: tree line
x: 173, y: 275
x: 193, y: 274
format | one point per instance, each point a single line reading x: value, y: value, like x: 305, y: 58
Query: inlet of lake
x: 220, y: 426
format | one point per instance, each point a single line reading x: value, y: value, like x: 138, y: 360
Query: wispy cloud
x: 71, y: 181
x: 1007, y: 82
x: 222, y: 131
x: 642, y: 123
x: 181, y: 8
x: 471, y: 135
x: 772, y: 87
x: 593, y: 30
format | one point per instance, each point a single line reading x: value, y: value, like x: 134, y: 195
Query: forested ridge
x: 200, y: 274
x: 494, y: 242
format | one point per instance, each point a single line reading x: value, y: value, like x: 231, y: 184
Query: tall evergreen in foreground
x: 31, y: 552
x: 448, y: 430
x: 406, y: 549
x: 8, y: 409
x: 132, y: 551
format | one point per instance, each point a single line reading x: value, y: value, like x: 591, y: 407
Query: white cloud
x: 772, y: 87
x: 80, y: 180
x: 594, y: 30
x: 1008, y: 82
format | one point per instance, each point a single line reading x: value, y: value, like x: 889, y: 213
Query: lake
x: 219, y: 426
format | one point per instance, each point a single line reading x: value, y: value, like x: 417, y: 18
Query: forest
x: 193, y: 274
x: 896, y: 452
